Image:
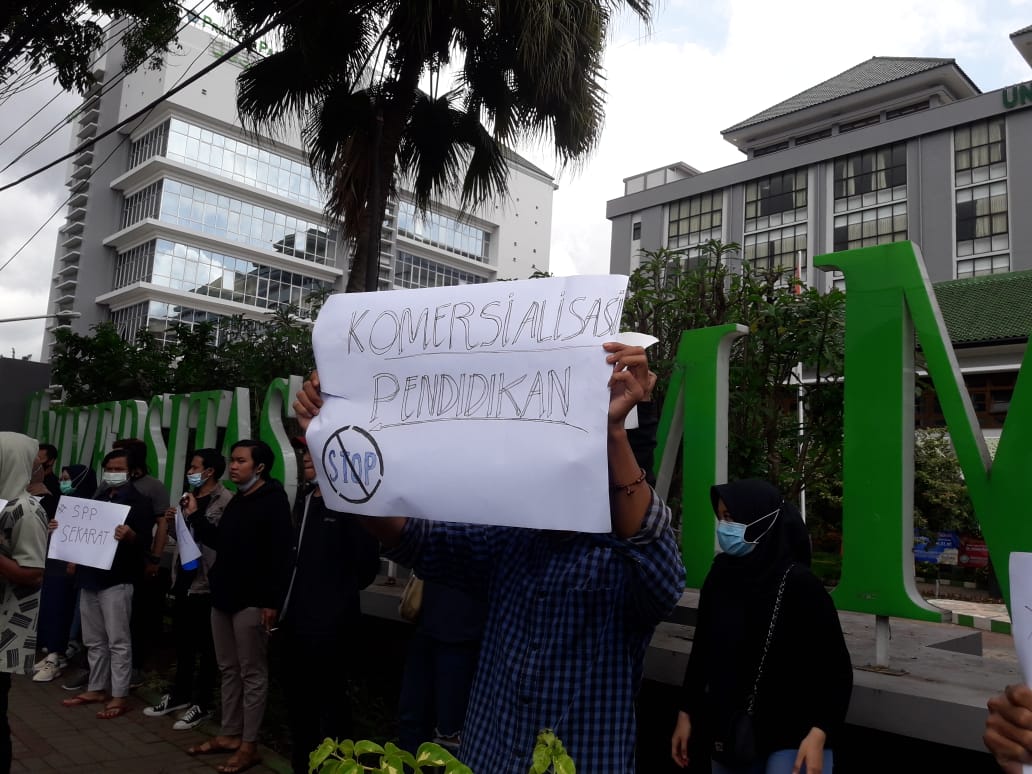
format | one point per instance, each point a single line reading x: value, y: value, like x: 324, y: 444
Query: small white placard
x: 188, y: 550
x: 85, y: 531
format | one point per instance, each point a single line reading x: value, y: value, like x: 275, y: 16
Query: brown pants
x: 241, y: 646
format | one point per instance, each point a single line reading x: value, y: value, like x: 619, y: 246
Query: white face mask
x: 115, y: 477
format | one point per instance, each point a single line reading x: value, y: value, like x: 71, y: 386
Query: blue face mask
x: 731, y: 537
x: 194, y: 479
x: 731, y: 534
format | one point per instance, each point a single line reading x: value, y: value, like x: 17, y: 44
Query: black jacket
x: 130, y: 556
x: 334, y: 558
x: 252, y: 545
x: 807, y: 678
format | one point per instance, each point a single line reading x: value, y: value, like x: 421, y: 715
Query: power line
x: 93, y: 171
x: 247, y: 41
x: 105, y: 88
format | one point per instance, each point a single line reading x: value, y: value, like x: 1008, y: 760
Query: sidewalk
x: 977, y: 615
x: 49, y: 737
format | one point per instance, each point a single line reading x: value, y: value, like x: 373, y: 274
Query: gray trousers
x: 241, y: 646
x: 105, y: 633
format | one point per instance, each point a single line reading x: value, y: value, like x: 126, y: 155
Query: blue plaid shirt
x: 570, y: 618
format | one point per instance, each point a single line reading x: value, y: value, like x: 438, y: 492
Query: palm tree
x: 349, y: 74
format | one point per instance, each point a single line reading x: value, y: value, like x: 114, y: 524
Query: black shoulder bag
x: 737, y: 745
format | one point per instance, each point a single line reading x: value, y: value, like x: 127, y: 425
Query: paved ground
x: 49, y: 737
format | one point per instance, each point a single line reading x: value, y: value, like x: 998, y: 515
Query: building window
x: 636, y: 231
x: 240, y: 221
x: 134, y: 265
x: 982, y: 219
x: 142, y: 205
x: 871, y: 177
x: 769, y: 149
x: 775, y: 200
x: 991, y: 396
x: 989, y: 264
x: 906, y: 110
x: 151, y: 144
x: 445, y: 232
x: 823, y: 134
x: 874, y: 226
x: 980, y: 152
x: 208, y: 273
x: 241, y: 161
x: 412, y: 271
x: 860, y: 123
x: 782, y: 249
x: 695, y: 220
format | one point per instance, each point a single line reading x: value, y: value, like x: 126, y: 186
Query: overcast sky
x: 701, y: 67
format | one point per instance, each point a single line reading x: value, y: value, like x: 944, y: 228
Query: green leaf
x: 346, y: 749
x: 320, y: 754
x: 564, y: 765
x: 431, y: 754
x: 365, y: 747
x: 391, y: 763
x: 542, y: 760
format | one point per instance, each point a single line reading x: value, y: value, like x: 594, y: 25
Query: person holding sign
x: 23, y: 549
x: 57, y: 608
x: 196, y: 668
x: 570, y: 614
x: 106, y: 596
x: 1008, y: 729
x: 248, y: 583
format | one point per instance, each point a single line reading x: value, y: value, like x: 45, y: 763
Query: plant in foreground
x: 349, y: 757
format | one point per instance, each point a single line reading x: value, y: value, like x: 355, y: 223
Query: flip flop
x: 110, y: 713
x: 81, y: 699
x: 233, y: 766
x: 210, y: 748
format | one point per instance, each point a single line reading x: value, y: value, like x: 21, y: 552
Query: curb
x: 995, y: 625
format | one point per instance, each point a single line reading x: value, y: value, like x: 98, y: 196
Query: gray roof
x: 875, y: 71
x: 1022, y: 31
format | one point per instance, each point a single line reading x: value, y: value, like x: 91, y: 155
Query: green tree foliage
x: 66, y: 35
x: 103, y: 366
x: 788, y: 325
x: 349, y: 74
x: 941, y: 500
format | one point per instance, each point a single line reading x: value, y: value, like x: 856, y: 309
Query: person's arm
x: 157, y: 545
x: 205, y: 530
x: 307, y: 403
x: 28, y: 549
x: 629, y: 384
x: 1008, y: 729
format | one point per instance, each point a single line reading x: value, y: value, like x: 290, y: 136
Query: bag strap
x: 750, y: 708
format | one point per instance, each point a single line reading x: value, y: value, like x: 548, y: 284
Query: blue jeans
x: 780, y: 762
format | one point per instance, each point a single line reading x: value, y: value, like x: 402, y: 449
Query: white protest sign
x: 188, y: 549
x: 484, y: 403
x: 85, y: 531
x: 1021, y: 615
x: 634, y: 339
x: 3, y: 503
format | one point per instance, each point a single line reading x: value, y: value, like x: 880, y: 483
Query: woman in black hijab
x: 799, y: 701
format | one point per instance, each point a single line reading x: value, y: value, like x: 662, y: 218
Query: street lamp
x: 69, y: 315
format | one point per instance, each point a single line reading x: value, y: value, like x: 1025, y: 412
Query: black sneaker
x: 164, y: 707
x: 192, y: 718
x: 77, y: 681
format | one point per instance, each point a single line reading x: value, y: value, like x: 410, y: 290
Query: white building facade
x: 183, y: 217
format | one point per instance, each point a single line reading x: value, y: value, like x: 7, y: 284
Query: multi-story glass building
x: 184, y: 217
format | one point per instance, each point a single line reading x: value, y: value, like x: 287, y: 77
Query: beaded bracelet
x: 630, y: 488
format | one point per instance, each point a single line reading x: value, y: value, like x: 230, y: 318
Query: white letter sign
x: 85, y: 531
x: 484, y: 403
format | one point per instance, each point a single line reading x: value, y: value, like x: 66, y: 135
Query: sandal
x: 112, y: 711
x: 239, y: 763
x: 81, y: 699
x: 211, y: 747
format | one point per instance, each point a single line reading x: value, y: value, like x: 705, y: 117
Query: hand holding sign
x: 86, y: 531
x: 488, y: 387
